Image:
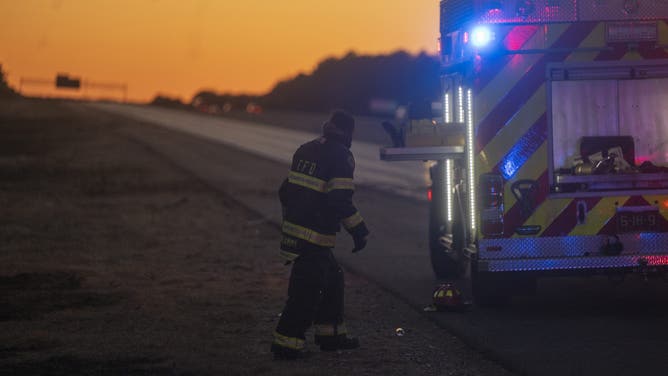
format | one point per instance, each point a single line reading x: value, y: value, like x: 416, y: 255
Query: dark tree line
x: 350, y: 82
x: 5, y: 90
x: 353, y: 81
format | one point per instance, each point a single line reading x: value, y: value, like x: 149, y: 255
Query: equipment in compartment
x: 602, y: 155
x: 607, y: 145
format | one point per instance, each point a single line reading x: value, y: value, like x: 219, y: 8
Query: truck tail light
x: 491, y: 204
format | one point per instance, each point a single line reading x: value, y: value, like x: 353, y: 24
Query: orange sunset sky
x: 177, y: 47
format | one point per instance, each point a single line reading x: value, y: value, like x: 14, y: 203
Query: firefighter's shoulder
x: 309, y: 147
x: 342, y: 155
x: 337, y: 149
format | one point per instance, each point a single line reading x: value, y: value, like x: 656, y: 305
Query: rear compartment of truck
x: 606, y: 199
x: 551, y: 155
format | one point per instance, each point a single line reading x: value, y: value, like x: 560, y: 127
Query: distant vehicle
x: 212, y: 109
x: 551, y: 156
x: 253, y: 108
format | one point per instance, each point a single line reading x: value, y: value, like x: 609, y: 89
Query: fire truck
x: 551, y: 154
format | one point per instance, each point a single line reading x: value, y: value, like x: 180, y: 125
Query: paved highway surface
x: 583, y: 326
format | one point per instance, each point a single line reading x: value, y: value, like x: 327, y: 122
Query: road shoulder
x: 118, y: 261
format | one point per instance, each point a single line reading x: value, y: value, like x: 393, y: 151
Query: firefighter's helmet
x: 340, y: 125
x: 447, y: 297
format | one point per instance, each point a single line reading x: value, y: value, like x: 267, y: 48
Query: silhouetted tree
x: 349, y: 82
x: 5, y: 90
x: 353, y: 81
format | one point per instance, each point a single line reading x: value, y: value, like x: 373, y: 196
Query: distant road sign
x: 82, y: 86
x: 66, y: 82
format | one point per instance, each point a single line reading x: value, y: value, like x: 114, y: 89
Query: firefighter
x: 317, y: 200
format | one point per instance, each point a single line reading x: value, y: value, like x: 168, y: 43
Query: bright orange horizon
x: 177, y: 48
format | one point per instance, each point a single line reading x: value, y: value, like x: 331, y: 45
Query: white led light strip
x: 470, y: 147
x: 448, y: 188
x: 447, y: 115
x: 460, y: 104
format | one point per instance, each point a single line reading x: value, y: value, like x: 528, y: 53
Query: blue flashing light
x: 645, y: 236
x: 515, y: 159
x: 509, y: 168
x: 481, y: 36
x: 523, y: 149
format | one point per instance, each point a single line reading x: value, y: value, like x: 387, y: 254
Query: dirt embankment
x: 114, y: 261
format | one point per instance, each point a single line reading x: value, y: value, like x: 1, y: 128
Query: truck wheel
x: 445, y: 267
x: 447, y: 263
x: 447, y: 260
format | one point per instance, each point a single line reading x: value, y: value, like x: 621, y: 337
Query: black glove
x: 360, y: 243
x: 360, y: 233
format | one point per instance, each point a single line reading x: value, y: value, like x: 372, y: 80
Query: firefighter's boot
x: 334, y: 343
x: 286, y: 353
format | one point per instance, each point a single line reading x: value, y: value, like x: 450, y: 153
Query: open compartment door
x: 609, y: 127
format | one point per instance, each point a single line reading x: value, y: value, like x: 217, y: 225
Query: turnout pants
x: 315, y: 296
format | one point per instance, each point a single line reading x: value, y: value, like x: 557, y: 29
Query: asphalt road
x: 575, y: 326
